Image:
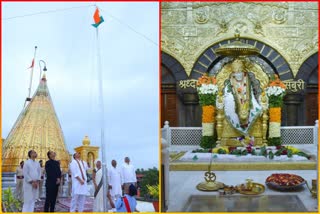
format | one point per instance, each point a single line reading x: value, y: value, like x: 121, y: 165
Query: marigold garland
x: 275, y: 114
x: 205, y: 79
x: 277, y: 82
x: 208, y: 114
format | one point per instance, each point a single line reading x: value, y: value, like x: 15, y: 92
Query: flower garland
x: 275, y: 114
x: 208, y: 114
x: 231, y: 107
x: 275, y: 92
x: 268, y: 152
x: 207, y: 90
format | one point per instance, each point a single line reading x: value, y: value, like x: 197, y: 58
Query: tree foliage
x: 150, y: 177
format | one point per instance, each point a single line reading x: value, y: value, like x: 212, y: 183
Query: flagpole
x: 31, y: 75
x: 105, y: 185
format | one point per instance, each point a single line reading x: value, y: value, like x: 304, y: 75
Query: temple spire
x: 38, y: 128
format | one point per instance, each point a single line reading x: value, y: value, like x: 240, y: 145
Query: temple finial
x: 237, y: 35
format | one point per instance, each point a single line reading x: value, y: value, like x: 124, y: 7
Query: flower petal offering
x: 284, y: 181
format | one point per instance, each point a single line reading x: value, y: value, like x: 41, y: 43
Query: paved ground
x: 63, y: 205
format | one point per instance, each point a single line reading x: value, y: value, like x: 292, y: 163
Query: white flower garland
x: 274, y: 129
x: 274, y: 90
x: 231, y: 114
x: 207, y: 129
x: 208, y: 89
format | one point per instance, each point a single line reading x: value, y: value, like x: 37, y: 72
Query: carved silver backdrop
x: 286, y: 34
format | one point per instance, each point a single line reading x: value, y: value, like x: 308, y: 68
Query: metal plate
x: 210, y: 186
x: 256, y: 189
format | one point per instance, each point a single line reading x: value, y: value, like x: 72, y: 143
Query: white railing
x: 191, y: 136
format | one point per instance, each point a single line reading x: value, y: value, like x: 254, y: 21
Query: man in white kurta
x: 128, y: 173
x: 98, y: 193
x: 114, y: 178
x: 41, y: 181
x: 78, y: 170
x: 32, y: 176
x: 20, y: 180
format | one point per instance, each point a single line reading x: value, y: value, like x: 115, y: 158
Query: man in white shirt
x: 114, y: 178
x: 41, y: 181
x: 80, y: 190
x: 32, y: 176
x: 128, y: 173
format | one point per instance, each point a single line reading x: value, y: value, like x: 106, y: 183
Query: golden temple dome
x: 86, y: 141
x: 37, y: 128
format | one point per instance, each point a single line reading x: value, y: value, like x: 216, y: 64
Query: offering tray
x: 285, y: 182
x: 255, y: 189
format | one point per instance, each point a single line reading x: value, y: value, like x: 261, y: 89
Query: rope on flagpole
x: 104, y: 164
x: 71, y: 8
x: 128, y: 26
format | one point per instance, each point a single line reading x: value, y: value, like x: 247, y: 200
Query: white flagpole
x: 31, y: 75
x: 105, y: 185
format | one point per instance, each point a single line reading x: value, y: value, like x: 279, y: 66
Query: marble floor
x: 241, y: 203
x: 182, y: 185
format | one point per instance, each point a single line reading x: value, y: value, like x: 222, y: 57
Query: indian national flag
x: 97, y: 18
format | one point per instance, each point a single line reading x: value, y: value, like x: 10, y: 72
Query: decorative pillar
x: 315, y: 133
x: 165, y: 175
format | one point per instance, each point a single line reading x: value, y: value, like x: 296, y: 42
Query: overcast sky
x: 66, y: 42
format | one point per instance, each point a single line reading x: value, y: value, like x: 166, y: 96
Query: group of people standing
x: 30, y: 176
x: 122, y: 184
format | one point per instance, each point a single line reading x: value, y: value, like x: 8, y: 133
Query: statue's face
x: 237, y: 66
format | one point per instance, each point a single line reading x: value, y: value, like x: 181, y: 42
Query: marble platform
x: 240, y: 203
x: 182, y: 159
x: 182, y: 185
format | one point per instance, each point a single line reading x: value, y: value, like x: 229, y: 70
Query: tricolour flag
x: 97, y: 19
x: 32, y: 64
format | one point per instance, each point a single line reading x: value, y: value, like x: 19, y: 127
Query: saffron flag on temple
x: 32, y: 64
x: 97, y: 18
